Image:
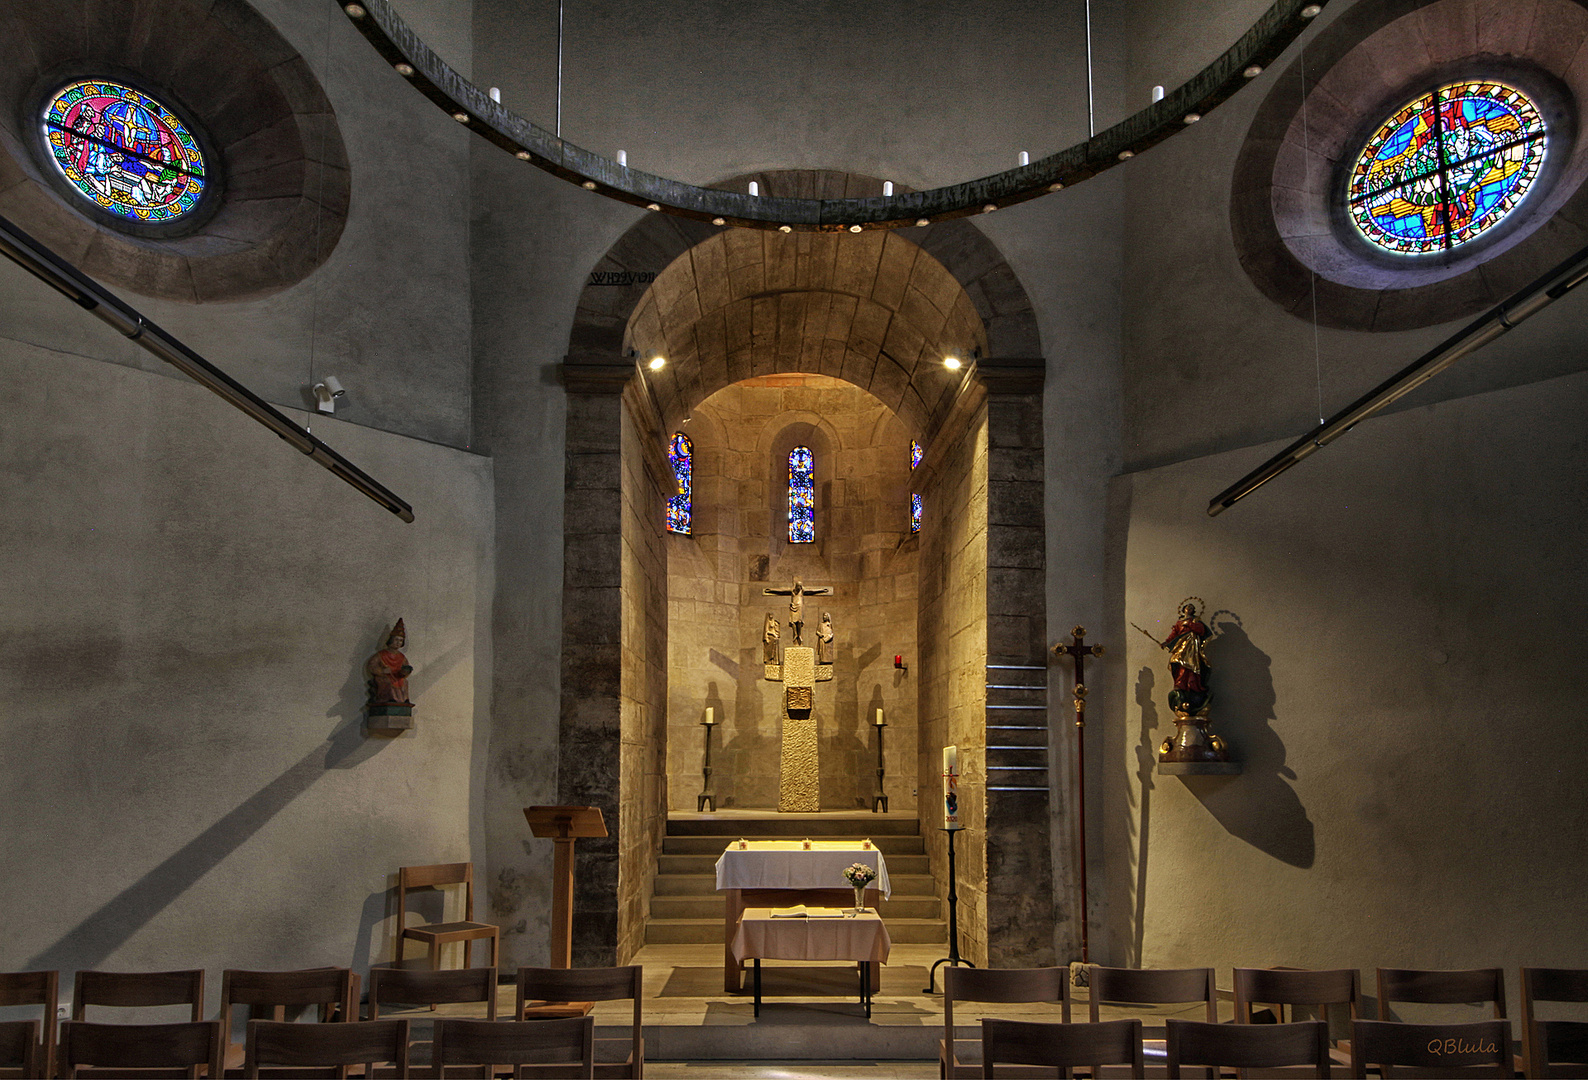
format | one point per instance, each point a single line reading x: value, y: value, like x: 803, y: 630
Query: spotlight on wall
x: 1025, y: 158
x: 887, y: 188
x: 496, y: 94
x: 623, y: 158
x: 326, y: 393
x: 755, y: 188
x: 1157, y: 94
x: 951, y: 362
x: 658, y: 363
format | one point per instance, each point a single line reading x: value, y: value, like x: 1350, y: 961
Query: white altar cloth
x: 787, y: 864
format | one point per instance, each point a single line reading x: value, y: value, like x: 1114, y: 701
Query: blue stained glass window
x: 801, y: 496
x: 124, y: 151
x: 915, y: 513
x: 682, y: 457
x: 915, y: 454
x: 1446, y: 167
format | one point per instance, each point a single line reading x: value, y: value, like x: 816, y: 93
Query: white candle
x: 951, y: 787
x: 879, y: 719
x: 710, y: 716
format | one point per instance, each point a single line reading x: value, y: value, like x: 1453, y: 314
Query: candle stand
x: 953, y: 958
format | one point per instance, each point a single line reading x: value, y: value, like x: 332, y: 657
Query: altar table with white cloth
x: 778, y: 873
x: 862, y: 938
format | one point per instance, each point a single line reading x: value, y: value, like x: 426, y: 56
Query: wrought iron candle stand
x: 953, y: 958
x: 707, y: 795
x: 879, y: 801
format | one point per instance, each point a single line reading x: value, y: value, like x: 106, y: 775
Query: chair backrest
x: 1554, y: 1047
x: 1418, y: 986
x: 190, y: 1046
x: 1479, y: 1049
x: 434, y: 876
x: 1021, y: 1042
x: 418, y: 986
x: 20, y: 1047
x: 1292, y: 986
x: 138, y: 989
x: 273, y: 1043
x: 1003, y: 986
x: 1150, y: 986
x: 1247, y: 1046
x: 334, y: 990
x: 586, y: 984
x: 518, y: 1043
x: 40, y: 988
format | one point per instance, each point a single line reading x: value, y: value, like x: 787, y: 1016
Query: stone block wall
x: 864, y: 551
x: 952, y: 669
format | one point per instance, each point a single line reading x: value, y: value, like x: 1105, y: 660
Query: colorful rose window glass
x: 124, y: 151
x: 802, y: 496
x: 1446, y: 167
x: 681, y: 455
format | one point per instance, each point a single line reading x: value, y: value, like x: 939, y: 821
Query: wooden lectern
x: 563, y: 824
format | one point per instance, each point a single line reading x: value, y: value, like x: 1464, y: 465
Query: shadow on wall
x: 1146, y: 769
x: 92, y: 941
x: 1259, y: 806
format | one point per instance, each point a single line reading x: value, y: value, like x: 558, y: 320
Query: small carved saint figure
x: 796, y: 606
x: 388, y: 671
x: 824, y: 639
x: 1188, y: 660
x: 769, y: 638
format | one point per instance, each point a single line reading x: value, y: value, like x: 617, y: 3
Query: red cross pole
x: 1078, y: 651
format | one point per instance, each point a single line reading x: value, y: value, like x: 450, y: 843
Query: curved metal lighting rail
x: 467, y: 104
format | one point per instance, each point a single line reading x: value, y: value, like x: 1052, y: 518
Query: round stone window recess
x: 1292, y: 210
x: 125, y: 154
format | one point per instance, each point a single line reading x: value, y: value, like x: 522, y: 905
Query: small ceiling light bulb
x: 854, y: 228
x: 1192, y: 117
x: 522, y: 155
x: 989, y: 208
x: 755, y: 188
x: 785, y: 228
x: 653, y: 206
x: 887, y: 188
x: 1157, y: 94
x: 496, y: 94
x: 1253, y: 71
x: 405, y: 70
x: 923, y: 221
x: 1126, y: 155
x: 1025, y: 158
x: 355, y: 11
x: 623, y: 158
x: 1055, y: 186
x: 461, y: 117
x: 719, y: 221
x: 589, y: 185
x: 1311, y: 11
x: 658, y: 363
x: 951, y: 362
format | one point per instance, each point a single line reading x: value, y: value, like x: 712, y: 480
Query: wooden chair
x: 532, y: 1047
x: 1553, y: 1047
x: 190, y: 1049
x: 1152, y: 986
x: 333, y: 990
x: 138, y: 990
x: 410, y: 986
x: 1003, y: 986
x: 1467, y: 986
x: 20, y: 1049
x: 1480, y: 1049
x: 1247, y: 1046
x: 339, y: 1047
x: 435, y: 935
x: 1310, y: 989
x: 579, y: 987
x: 42, y: 988
x: 1061, y: 1046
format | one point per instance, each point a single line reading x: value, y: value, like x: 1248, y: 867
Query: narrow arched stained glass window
x: 801, y: 496
x: 1446, y: 167
x: 915, y: 454
x: 915, y: 513
x: 124, y: 151
x: 681, y: 455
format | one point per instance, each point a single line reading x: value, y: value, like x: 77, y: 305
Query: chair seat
x: 449, y: 931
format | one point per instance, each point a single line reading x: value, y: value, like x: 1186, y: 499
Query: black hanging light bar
x: 473, y: 107
x: 87, y: 294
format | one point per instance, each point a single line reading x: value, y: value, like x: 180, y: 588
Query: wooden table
x: 781, y: 873
x: 860, y: 938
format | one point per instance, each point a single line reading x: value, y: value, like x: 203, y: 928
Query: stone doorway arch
x: 723, y: 306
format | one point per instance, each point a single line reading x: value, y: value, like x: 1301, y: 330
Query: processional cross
x: 1078, y: 651
x: 799, y: 669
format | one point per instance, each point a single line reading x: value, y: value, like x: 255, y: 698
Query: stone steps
x: 891, y: 846
x: 708, y: 907
x: 709, y: 931
x: 825, y: 825
x: 707, y: 864
x: 706, y: 884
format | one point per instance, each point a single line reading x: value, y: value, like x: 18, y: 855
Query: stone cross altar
x: 799, y: 670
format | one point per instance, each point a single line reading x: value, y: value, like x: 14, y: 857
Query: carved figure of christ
x: 796, y: 605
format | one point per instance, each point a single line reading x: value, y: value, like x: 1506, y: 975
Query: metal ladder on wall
x: 1017, y: 728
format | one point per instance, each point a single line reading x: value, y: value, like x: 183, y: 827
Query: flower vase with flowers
x: 859, y: 875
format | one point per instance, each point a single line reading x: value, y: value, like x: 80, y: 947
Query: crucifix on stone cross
x: 1078, y: 651
x: 799, y: 670
x: 796, y: 605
